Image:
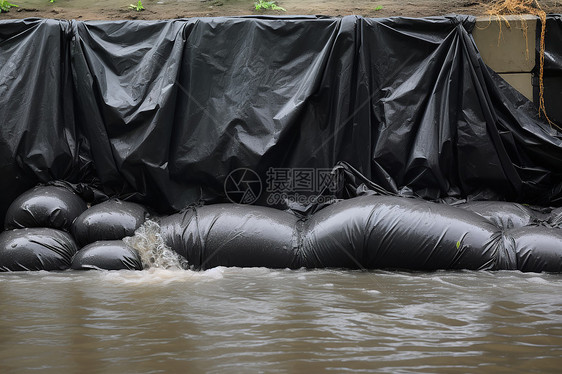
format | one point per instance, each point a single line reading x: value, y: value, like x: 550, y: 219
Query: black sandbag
x: 36, y: 249
x: 233, y: 235
x: 504, y: 215
x: 107, y: 255
x: 364, y: 232
x: 45, y: 206
x: 110, y: 220
x: 537, y: 248
x: 391, y: 232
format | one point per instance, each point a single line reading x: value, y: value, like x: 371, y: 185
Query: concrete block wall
x: 509, y: 49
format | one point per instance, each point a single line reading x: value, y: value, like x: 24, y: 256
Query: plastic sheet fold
x: 162, y: 112
x: 39, y: 137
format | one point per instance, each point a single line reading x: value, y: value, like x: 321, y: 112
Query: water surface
x: 260, y: 320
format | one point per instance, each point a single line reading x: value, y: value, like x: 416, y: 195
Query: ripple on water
x: 246, y: 320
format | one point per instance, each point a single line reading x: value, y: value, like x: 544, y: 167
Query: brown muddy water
x: 232, y: 320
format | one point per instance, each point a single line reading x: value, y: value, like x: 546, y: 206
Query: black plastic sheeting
x: 537, y: 249
x: 234, y: 235
x: 107, y: 255
x: 366, y: 232
x: 502, y: 214
x: 552, y: 78
x: 111, y: 220
x: 45, y: 206
x: 160, y: 112
x: 36, y: 243
x: 36, y: 249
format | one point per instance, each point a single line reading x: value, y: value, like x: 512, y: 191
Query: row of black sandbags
x: 371, y: 232
x: 368, y: 232
x: 51, y: 228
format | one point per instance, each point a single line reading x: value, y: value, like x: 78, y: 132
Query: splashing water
x: 154, y: 253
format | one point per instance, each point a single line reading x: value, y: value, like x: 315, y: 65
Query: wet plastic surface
x: 110, y: 220
x: 36, y: 249
x: 45, y: 206
x: 162, y: 111
x: 107, y: 255
x: 39, y: 137
x: 504, y: 215
x: 537, y: 248
x: 364, y: 232
x: 367, y: 232
x: 375, y: 232
x: 555, y: 218
x: 237, y: 235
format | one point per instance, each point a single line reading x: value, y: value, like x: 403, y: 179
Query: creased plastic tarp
x: 38, y: 132
x: 165, y: 110
x: 446, y: 124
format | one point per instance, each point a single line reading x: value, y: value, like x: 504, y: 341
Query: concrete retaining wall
x: 509, y: 49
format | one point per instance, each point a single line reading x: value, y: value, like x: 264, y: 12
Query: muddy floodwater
x: 231, y: 320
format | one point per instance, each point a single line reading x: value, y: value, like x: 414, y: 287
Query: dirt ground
x: 169, y: 9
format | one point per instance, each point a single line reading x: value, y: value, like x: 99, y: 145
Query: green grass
x: 268, y: 5
x: 5, y: 6
x: 137, y: 7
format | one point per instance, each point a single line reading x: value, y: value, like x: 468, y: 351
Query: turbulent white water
x: 153, y: 252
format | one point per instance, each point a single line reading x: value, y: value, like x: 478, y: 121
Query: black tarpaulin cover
x: 161, y: 112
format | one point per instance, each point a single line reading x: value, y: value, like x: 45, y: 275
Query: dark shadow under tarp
x: 162, y: 111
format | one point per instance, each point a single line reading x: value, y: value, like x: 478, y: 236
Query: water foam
x: 154, y: 253
x: 159, y: 276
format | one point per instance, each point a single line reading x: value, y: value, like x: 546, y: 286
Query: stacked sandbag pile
x: 51, y: 228
x: 46, y: 226
x: 99, y: 232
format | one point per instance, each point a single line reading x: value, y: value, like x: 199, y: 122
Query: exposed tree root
x: 500, y: 8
